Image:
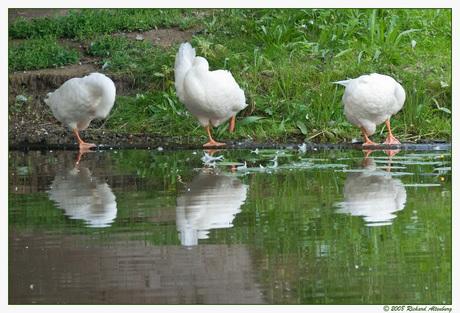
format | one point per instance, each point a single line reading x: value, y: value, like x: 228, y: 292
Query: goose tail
x: 183, y: 63
x: 342, y: 82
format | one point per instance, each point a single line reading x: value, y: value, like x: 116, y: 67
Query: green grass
x: 90, y: 23
x: 284, y: 59
x: 39, y: 53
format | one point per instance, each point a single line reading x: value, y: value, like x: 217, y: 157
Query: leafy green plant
x: 39, y: 53
x: 89, y: 23
x: 383, y: 33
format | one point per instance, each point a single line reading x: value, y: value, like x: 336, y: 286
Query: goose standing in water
x: 212, y: 97
x: 370, y: 100
x: 80, y: 100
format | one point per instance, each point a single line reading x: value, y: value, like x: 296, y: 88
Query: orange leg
x: 83, y: 145
x: 231, y: 126
x: 212, y: 142
x: 391, y: 140
x: 368, y: 141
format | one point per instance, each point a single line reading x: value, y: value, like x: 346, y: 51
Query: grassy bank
x: 284, y: 59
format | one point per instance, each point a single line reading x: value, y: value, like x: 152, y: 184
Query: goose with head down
x: 370, y: 100
x: 80, y: 100
x: 212, y: 97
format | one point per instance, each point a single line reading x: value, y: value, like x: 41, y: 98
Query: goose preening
x: 80, y: 100
x: 212, y: 97
x: 370, y: 100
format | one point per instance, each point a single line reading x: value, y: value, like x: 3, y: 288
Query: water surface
x: 233, y: 226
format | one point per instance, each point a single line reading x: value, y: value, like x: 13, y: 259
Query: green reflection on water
x: 303, y: 249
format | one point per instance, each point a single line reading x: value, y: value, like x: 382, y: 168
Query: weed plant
x: 40, y: 53
x: 284, y: 59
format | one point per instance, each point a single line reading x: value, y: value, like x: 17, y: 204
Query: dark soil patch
x: 34, y: 13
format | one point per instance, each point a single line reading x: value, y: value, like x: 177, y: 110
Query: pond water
x: 233, y: 226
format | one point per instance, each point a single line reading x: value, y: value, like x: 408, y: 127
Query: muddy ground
x: 32, y: 125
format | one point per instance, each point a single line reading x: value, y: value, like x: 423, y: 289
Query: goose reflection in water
x: 211, y: 200
x: 374, y: 197
x: 84, y: 197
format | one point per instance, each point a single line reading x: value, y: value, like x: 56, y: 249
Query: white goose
x: 80, y: 100
x: 370, y: 100
x: 212, y: 97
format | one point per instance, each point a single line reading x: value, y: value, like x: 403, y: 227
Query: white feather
x: 80, y: 100
x: 372, y: 99
x: 212, y: 97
